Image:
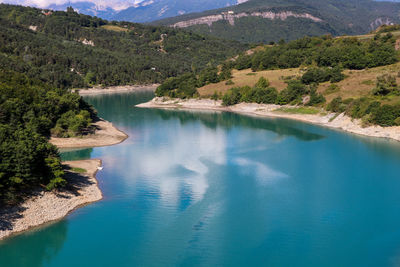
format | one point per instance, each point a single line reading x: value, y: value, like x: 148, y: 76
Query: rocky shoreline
x: 44, y: 206
x: 331, y: 120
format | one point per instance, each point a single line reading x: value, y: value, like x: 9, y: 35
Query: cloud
x: 114, y: 4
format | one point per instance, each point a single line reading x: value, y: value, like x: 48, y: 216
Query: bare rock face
x: 230, y: 16
x: 87, y: 42
x: 379, y: 22
x: 306, y: 99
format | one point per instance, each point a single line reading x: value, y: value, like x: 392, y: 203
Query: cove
x: 220, y: 189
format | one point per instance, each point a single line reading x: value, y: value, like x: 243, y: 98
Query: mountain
x: 135, y: 11
x: 151, y: 10
x: 272, y: 20
x: 87, y: 8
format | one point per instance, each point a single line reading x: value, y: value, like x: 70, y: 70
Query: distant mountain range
x: 272, y: 20
x: 147, y: 10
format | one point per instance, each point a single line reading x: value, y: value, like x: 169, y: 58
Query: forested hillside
x: 271, y: 20
x: 67, y: 49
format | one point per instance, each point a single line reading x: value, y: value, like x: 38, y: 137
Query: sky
x: 115, y: 4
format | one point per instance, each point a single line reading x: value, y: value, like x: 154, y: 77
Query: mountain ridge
x: 271, y: 20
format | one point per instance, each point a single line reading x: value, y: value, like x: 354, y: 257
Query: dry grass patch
x: 243, y: 78
x: 369, y: 36
x: 358, y: 82
x: 114, y: 28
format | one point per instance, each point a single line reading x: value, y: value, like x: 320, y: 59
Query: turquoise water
x: 219, y: 189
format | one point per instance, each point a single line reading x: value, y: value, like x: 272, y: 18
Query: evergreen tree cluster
x: 325, y: 51
x: 29, y: 110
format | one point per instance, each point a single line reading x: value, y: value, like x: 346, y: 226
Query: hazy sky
x: 115, y: 4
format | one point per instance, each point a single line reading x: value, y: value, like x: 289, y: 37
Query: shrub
x: 215, y: 96
x: 332, y: 88
x: 336, y: 105
x: 319, y: 75
x: 385, y: 84
x: 257, y: 94
x: 72, y: 124
x: 315, y: 75
x: 264, y: 95
x: 262, y: 83
x: 294, y: 91
x: 209, y: 75
x: 231, y: 97
x: 315, y: 98
x: 336, y: 75
x: 358, y: 108
x: 386, y: 115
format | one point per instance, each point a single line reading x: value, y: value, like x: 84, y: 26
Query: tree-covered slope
x: 67, y: 49
x: 271, y: 20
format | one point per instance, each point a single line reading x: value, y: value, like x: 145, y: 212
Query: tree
x: 262, y: 83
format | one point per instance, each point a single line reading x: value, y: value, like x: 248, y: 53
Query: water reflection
x: 228, y: 120
x: 260, y: 171
x: 176, y: 168
x: 34, y: 249
x: 75, y: 154
x: 119, y: 108
x: 219, y: 189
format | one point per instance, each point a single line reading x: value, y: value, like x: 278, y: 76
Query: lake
x: 197, y: 188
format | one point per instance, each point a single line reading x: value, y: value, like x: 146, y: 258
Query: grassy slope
x: 242, y: 78
x: 357, y: 82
